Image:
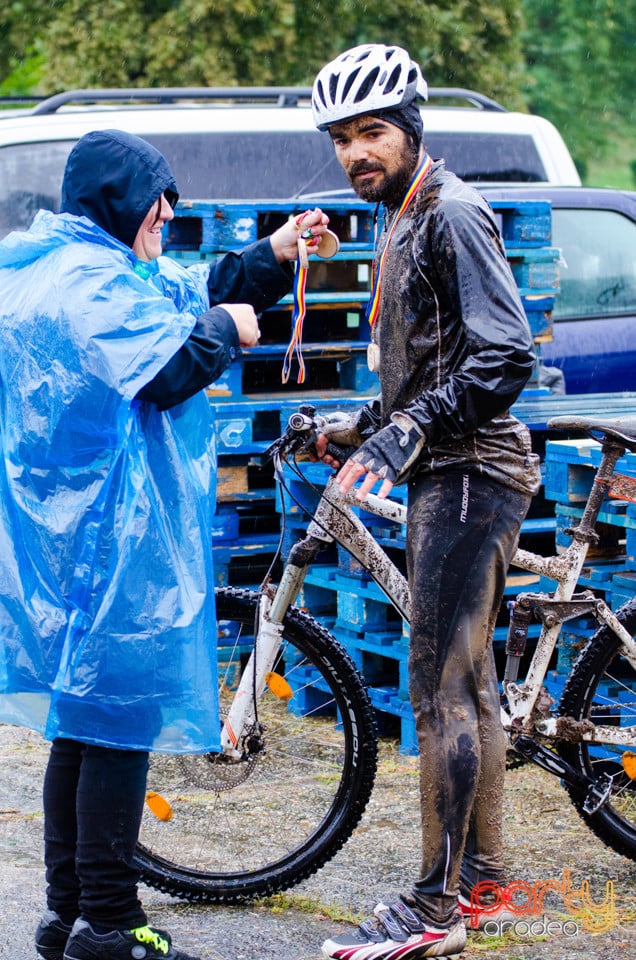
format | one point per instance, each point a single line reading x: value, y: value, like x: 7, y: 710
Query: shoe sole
x: 395, y: 953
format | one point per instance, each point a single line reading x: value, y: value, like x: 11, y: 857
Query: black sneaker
x: 51, y: 936
x: 397, y: 931
x: 143, y: 943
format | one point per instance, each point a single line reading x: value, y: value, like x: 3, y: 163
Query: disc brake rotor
x: 215, y: 772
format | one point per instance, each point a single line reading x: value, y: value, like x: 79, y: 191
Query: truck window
x: 253, y: 165
x: 598, y: 263
x: 488, y: 157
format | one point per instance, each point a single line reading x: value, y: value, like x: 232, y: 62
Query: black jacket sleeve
x: 207, y: 352
x: 252, y: 276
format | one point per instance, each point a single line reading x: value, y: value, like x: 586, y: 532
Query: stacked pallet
x: 251, y: 404
x: 610, y: 570
x: 570, y: 466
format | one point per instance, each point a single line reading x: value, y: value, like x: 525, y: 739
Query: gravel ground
x: 545, y: 837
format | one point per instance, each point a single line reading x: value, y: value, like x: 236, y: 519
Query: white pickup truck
x: 258, y: 143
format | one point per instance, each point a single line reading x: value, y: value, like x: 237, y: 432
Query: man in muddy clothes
x: 453, y: 350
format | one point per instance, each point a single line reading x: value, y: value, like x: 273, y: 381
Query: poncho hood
x: 113, y: 178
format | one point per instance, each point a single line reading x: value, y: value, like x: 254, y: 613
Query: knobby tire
x: 602, y: 687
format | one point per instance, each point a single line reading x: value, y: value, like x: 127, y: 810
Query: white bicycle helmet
x: 365, y: 79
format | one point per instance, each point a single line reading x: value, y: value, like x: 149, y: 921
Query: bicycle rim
x: 602, y: 688
x: 240, y: 830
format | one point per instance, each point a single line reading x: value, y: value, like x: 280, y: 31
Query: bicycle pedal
x: 597, y: 795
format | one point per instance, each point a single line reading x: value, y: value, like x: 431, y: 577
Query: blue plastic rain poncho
x: 107, y: 626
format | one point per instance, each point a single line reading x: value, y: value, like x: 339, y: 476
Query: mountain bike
x: 298, y: 753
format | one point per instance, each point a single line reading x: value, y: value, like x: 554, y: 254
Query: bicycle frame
x: 334, y: 520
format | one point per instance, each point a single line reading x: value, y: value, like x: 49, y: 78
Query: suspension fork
x: 268, y: 636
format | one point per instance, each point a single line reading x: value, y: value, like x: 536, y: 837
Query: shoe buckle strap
x: 372, y: 931
x: 407, y: 917
x: 391, y: 923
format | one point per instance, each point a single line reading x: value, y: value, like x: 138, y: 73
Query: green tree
x: 22, y: 24
x: 570, y: 61
x: 230, y: 42
x: 580, y: 60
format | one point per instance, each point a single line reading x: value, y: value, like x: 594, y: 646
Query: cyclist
x: 453, y: 350
x: 107, y: 636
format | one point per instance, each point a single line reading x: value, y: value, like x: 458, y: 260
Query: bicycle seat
x: 621, y: 429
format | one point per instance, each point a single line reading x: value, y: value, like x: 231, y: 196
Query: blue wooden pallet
x: 524, y: 223
x: 536, y: 410
x: 614, y: 520
x: 338, y: 370
x: 244, y: 562
x: 211, y: 226
x: 570, y: 466
x: 249, y: 426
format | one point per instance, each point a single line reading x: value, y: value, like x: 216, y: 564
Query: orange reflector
x: 279, y: 686
x: 160, y: 807
x: 629, y: 764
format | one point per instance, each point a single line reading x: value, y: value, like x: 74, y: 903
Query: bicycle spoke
x: 238, y: 825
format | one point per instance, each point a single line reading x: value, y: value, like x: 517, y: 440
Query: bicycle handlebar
x: 303, y: 428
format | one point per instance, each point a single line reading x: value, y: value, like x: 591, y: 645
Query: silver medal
x: 373, y: 357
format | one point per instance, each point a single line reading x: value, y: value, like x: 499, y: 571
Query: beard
x: 391, y: 188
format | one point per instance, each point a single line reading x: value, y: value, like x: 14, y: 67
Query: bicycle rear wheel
x: 602, y: 688
x: 240, y: 830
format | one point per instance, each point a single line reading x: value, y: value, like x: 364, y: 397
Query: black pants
x: 462, y: 531
x: 93, y: 802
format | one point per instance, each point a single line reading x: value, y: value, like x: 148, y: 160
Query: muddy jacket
x: 455, y: 345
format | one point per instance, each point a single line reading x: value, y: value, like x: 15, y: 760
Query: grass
x: 281, y: 902
x: 617, y: 168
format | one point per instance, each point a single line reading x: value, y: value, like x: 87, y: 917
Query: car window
x: 488, y: 157
x: 222, y: 166
x: 598, y: 263
x: 30, y: 179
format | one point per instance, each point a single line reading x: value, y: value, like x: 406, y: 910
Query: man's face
x: 378, y: 157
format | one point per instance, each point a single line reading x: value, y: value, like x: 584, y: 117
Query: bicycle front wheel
x: 219, y: 831
x: 602, y: 688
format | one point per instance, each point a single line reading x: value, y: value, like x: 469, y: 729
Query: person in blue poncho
x: 107, y: 469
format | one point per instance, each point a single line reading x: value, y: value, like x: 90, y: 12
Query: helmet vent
x: 366, y: 87
x: 349, y: 83
x: 393, y: 80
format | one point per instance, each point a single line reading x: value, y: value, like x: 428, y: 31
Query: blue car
x: 594, y: 317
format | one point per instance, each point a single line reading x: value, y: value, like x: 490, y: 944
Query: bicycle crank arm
x: 597, y: 792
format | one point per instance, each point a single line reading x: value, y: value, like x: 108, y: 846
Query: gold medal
x: 329, y: 245
x: 373, y: 357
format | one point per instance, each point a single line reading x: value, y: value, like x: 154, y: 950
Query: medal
x: 373, y: 356
x: 329, y: 245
